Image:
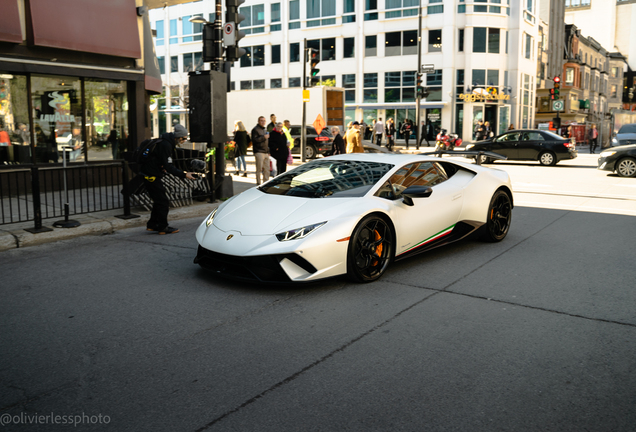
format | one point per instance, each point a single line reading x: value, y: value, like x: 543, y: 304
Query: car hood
x: 626, y: 136
x: 256, y: 213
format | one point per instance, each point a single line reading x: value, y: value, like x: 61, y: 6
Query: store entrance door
x: 490, y: 115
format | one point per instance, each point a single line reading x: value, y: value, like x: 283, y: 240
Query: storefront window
x: 15, y: 135
x: 106, y: 118
x: 57, y: 114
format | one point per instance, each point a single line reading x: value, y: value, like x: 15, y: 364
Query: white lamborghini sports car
x: 352, y: 214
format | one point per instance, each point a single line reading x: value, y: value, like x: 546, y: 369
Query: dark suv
x: 316, y: 144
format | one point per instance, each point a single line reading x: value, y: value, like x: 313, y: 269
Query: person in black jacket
x: 278, y: 147
x: 158, y: 163
x: 339, y: 146
x: 260, y: 148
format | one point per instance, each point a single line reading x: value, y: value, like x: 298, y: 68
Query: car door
x: 428, y: 218
x: 507, y: 145
x: 531, y: 145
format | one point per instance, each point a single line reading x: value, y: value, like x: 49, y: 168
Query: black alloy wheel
x: 547, y: 158
x: 626, y: 167
x: 499, y: 217
x: 371, y: 250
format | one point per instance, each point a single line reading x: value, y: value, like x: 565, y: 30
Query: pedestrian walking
x: 489, y: 132
x: 480, y: 131
x: 242, y: 141
x: 260, y: 147
x: 353, y: 139
x: 159, y: 161
x: 371, y: 131
x: 592, y: 136
x: 390, y: 134
x: 278, y: 147
x: 378, y: 130
x: 338, y: 141
x: 272, y: 123
x: 405, y: 130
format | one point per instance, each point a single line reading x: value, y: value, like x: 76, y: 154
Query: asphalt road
x: 537, y: 332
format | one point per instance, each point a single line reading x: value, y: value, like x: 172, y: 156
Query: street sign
x: 305, y: 95
x: 229, y: 35
x: 428, y: 69
x: 558, y: 105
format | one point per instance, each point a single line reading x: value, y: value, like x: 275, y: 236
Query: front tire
x: 371, y: 250
x: 626, y: 167
x: 310, y: 152
x: 547, y: 158
x: 499, y: 217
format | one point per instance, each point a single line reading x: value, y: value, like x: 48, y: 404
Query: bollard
x: 37, y: 210
x: 127, y: 192
x: 66, y: 223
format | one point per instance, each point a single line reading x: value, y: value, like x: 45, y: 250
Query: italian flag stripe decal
x: 432, y: 238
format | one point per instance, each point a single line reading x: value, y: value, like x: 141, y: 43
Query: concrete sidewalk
x: 106, y: 222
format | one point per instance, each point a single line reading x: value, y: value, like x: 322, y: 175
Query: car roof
x: 396, y: 158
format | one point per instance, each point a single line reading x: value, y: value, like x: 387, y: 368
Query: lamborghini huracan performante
x: 352, y: 214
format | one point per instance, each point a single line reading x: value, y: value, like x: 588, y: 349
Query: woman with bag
x: 390, y: 134
x: 241, y: 140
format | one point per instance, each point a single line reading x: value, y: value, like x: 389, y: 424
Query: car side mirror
x: 415, y: 192
x: 613, y: 134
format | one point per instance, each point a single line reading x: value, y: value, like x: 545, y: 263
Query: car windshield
x: 328, y: 178
x: 628, y: 128
x: 552, y: 135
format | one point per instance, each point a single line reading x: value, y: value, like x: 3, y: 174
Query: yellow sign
x: 305, y: 95
x: 481, y: 97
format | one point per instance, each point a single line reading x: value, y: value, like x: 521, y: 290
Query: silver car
x: 626, y: 135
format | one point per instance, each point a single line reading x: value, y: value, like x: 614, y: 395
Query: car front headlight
x: 614, y: 140
x: 607, y: 153
x: 210, y: 218
x: 298, y: 233
x: 469, y: 146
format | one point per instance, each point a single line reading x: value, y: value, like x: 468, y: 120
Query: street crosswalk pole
x: 66, y: 223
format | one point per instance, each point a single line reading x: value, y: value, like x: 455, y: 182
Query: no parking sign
x: 229, y: 35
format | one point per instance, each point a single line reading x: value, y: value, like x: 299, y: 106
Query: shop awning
x: 152, y: 75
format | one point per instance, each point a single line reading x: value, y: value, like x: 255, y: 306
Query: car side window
x: 533, y: 136
x: 295, y: 130
x: 416, y: 174
x: 509, y: 137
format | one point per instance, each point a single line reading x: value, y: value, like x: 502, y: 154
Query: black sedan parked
x: 621, y: 159
x: 531, y: 144
x: 316, y: 144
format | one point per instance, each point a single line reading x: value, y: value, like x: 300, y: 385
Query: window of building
x: 492, y: 77
x: 275, y: 83
x: 399, y: 86
x: 321, y: 9
x: 275, y: 12
x: 434, y: 40
x: 259, y: 84
x: 162, y: 65
x: 459, y: 85
x: 191, y: 31
x: 294, y: 82
x: 437, y: 9
x: 371, y: 46
x: 460, y: 45
x: 174, y: 64
x: 192, y: 61
x: 401, y: 43
x: 486, y: 40
x: 569, y: 76
x: 528, y: 50
x: 328, y: 49
x: 246, y: 85
x: 254, y: 56
x: 370, y: 87
x: 294, y: 52
x: 349, y: 82
x: 493, y: 40
x: 294, y: 14
x: 275, y: 54
x: 578, y: 3
x: 349, y: 11
x: 349, y: 47
x: 480, y: 8
x: 370, y: 10
x: 614, y: 91
x: 616, y: 72
x: 400, y: 8
x: 254, y: 19
x: 434, y: 85
x: 159, y: 28
x: 173, y: 32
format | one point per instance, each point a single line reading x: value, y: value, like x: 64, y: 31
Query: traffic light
x: 314, y: 59
x: 556, y: 122
x: 209, y: 45
x: 557, y: 87
x: 234, y: 52
x: 419, y: 88
x: 552, y: 94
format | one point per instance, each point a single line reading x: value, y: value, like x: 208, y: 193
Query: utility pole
x: 303, y: 132
x: 418, y: 98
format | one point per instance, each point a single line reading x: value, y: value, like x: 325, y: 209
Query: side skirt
x: 459, y: 231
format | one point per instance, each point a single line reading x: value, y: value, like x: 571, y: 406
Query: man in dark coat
x: 278, y: 147
x: 260, y: 147
x: 159, y: 162
x: 338, y: 143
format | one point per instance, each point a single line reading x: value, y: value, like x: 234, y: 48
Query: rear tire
x: 371, y: 250
x: 498, y: 218
x: 547, y: 159
x: 310, y: 152
x: 626, y: 167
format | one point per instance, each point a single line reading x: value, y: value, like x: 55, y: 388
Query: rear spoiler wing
x: 476, y: 153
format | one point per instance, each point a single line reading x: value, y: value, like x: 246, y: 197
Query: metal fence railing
x: 36, y: 192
